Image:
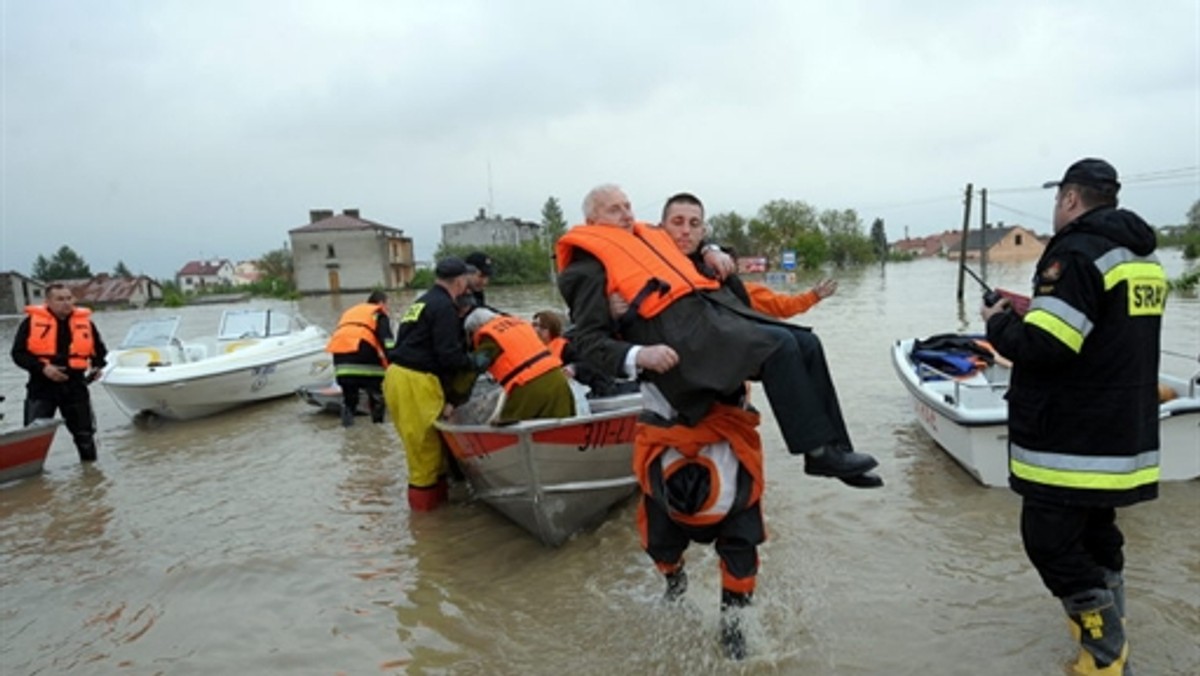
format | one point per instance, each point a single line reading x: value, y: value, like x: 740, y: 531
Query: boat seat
x: 195, y: 351
x: 238, y: 344
x: 139, y: 356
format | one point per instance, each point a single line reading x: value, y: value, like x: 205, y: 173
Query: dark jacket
x: 1083, y: 401
x: 714, y: 335
x: 430, y: 337
x: 39, y: 386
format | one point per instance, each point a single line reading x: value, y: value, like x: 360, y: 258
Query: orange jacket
x: 780, y: 305
x: 556, y: 346
x: 357, y: 324
x: 523, y: 356
x: 723, y: 423
x: 43, y: 336
x: 643, y: 265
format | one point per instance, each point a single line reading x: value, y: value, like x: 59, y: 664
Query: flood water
x: 270, y: 540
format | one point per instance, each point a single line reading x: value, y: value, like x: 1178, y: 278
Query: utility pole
x: 962, y: 245
x: 983, y: 228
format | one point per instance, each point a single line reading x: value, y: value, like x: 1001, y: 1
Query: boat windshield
x: 154, y: 332
x: 241, y: 324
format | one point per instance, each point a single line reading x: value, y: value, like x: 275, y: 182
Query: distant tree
x: 553, y: 222
x: 879, y: 243
x: 780, y: 224
x: 729, y: 229
x: 65, y: 264
x: 121, y: 270
x: 1193, y: 217
x: 278, y: 278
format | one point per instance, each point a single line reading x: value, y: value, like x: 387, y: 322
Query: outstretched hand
x: 825, y: 288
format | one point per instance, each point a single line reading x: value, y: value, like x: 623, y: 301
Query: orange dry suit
x: 43, y: 336
x: 699, y: 484
x: 523, y: 356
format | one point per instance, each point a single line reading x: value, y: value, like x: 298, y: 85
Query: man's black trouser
x: 1071, y: 546
x: 372, y: 385
x: 801, y: 392
x: 72, y: 399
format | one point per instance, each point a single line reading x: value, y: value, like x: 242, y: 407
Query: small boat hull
x: 328, y: 398
x: 968, y: 418
x: 23, y: 451
x: 553, y: 478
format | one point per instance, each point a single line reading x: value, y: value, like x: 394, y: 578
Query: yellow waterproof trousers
x: 415, y: 400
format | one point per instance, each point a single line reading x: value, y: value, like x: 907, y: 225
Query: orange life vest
x: 357, y: 324
x: 643, y: 265
x: 523, y: 356
x: 680, y: 445
x: 43, y: 336
x: 556, y: 346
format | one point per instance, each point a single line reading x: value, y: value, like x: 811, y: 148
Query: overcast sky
x: 157, y: 132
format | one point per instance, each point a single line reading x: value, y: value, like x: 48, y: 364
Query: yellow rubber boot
x: 1096, y: 624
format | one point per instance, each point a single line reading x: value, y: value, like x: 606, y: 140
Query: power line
x: 1026, y: 214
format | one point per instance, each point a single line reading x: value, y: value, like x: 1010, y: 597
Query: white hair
x: 477, y: 318
x: 589, y: 200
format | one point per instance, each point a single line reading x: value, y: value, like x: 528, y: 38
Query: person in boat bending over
x: 549, y: 326
x: 429, y: 355
x: 359, y: 345
x: 684, y: 332
x: 59, y: 346
x: 818, y: 408
x: 1083, y: 413
x: 533, y: 379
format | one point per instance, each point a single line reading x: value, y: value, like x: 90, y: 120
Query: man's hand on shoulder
x: 720, y: 262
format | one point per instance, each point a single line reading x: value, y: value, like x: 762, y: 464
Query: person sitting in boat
x: 60, y: 347
x: 683, y: 219
x: 428, y: 355
x: 549, y: 326
x: 683, y: 331
x: 702, y: 483
x: 359, y: 345
x: 533, y: 379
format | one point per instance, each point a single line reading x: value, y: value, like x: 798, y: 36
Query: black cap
x: 1092, y: 172
x: 481, y: 261
x: 449, y: 268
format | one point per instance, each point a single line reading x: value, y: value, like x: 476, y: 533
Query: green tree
x: 879, y: 243
x: 553, y: 222
x: 278, y: 272
x: 1193, y: 217
x: 121, y: 270
x: 65, y: 264
x: 783, y: 224
x: 730, y: 229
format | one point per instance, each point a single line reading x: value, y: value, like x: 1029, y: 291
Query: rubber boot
x: 1096, y: 623
x: 1115, y: 582
x: 87, y: 449
x: 347, y: 416
x: 733, y: 639
x: 677, y: 584
x: 375, y: 404
x: 832, y: 461
x: 424, y: 498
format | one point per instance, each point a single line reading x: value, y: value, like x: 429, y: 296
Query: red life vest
x: 523, y: 356
x: 43, y: 336
x: 679, y: 446
x: 643, y: 264
x: 356, y: 325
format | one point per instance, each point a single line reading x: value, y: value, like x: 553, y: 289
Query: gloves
x: 480, y: 360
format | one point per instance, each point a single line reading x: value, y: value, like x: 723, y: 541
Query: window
x: 1018, y: 240
x: 329, y: 252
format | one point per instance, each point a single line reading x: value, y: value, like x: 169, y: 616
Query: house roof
x: 344, y: 223
x: 105, y: 289
x: 28, y: 279
x: 994, y: 235
x: 203, y: 268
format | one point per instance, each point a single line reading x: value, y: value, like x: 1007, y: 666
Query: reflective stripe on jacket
x: 43, y: 336
x: 358, y: 324
x: 523, y: 356
x: 724, y: 440
x: 642, y: 265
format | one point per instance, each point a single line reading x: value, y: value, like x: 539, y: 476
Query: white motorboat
x: 551, y: 477
x: 254, y: 355
x: 967, y: 415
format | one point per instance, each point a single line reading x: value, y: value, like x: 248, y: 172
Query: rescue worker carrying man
x: 702, y: 483
x: 533, y: 380
x: 359, y: 345
x: 429, y: 354
x: 59, y: 346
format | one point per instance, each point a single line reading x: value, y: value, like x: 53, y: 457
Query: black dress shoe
x: 836, y: 462
x: 864, y: 480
